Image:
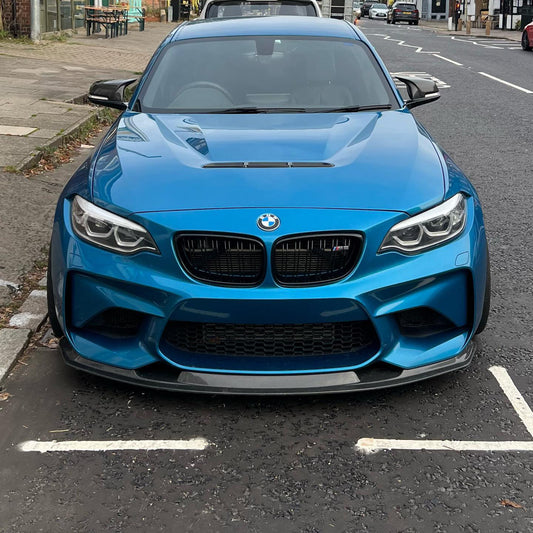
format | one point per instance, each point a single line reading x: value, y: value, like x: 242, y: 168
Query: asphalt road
x: 293, y: 464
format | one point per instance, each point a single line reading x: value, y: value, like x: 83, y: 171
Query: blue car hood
x: 378, y: 160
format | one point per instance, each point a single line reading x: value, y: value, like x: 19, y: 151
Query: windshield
x: 258, y: 9
x: 264, y: 74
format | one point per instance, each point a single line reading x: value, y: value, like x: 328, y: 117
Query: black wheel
x: 486, y: 301
x: 415, y: 22
x: 525, y: 42
x: 52, y: 316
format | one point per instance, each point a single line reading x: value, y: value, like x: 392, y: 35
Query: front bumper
x: 383, y: 290
x: 370, y: 378
x: 405, y: 17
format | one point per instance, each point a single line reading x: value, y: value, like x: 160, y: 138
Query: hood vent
x: 269, y: 164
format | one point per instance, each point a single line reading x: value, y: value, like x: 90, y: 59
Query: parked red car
x: 527, y: 37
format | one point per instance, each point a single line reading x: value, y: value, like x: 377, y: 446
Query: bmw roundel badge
x: 268, y: 222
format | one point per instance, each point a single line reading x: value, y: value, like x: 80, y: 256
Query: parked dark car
x: 365, y: 7
x: 403, y: 12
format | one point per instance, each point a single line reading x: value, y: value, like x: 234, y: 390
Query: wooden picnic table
x: 113, y: 18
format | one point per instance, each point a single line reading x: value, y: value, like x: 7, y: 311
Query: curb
x: 15, y: 338
x: 31, y: 160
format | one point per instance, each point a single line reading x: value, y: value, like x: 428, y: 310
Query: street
x: 306, y: 464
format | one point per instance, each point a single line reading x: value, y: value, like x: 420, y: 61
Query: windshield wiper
x: 355, y: 108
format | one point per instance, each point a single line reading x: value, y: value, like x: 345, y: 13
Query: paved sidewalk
x: 38, y: 85
x: 41, y: 85
x: 442, y: 27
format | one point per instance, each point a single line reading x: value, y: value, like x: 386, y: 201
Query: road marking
x: 371, y: 445
x: 449, y: 60
x: 475, y: 43
x: 506, y: 83
x: 517, y: 400
x: 440, y: 84
x: 112, y: 445
x: 367, y: 445
x: 419, y: 49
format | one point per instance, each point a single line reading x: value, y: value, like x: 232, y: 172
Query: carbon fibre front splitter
x: 164, y: 377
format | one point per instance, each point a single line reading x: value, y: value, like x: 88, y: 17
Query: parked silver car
x: 259, y: 8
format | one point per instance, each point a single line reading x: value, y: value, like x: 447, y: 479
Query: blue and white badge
x: 268, y: 222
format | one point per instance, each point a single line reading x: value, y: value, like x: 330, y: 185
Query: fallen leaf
x: 509, y: 503
x: 4, y: 396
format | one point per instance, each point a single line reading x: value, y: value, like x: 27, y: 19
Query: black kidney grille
x: 271, y: 340
x: 222, y: 259
x: 314, y: 259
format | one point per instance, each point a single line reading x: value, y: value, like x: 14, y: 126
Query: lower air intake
x: 271, y: 340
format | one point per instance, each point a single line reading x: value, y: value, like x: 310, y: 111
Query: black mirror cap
x: 109, y: 93
x: 420, y: 90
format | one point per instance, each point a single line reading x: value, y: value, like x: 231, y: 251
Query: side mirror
x: 420, y: 91
x: 109, y: 93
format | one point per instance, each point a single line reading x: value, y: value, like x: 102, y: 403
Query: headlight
x: 108, y: 230
x: 440, y: 224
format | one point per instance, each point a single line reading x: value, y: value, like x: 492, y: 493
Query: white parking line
x: 368, y: 445
x: 506, y: 83
x: 517, y: 400
x: 449, y: 60
x: 112, y: 445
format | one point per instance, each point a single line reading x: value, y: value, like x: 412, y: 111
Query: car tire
x: 486, y: 301
x: 52, y: 316
x: 415, y: 22
x: 526, y: 45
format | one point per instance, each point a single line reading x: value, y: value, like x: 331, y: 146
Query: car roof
x: 279, y: 25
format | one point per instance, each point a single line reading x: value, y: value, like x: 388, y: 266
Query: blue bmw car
x: 267, y: 217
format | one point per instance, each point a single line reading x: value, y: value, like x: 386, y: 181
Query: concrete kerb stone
x: 15, y: 338
x: 12, y: 344
x: 32, y: 313
x: 31, y: 160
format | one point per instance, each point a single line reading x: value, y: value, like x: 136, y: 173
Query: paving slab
x: 18, y: 131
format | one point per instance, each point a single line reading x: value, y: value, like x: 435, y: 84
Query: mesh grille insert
x: 314, y: 259
x: 222, y: 259
x: 271, y: 340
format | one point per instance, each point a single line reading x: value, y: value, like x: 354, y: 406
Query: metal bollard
x: 468, y: 26
x: 487, y: 27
